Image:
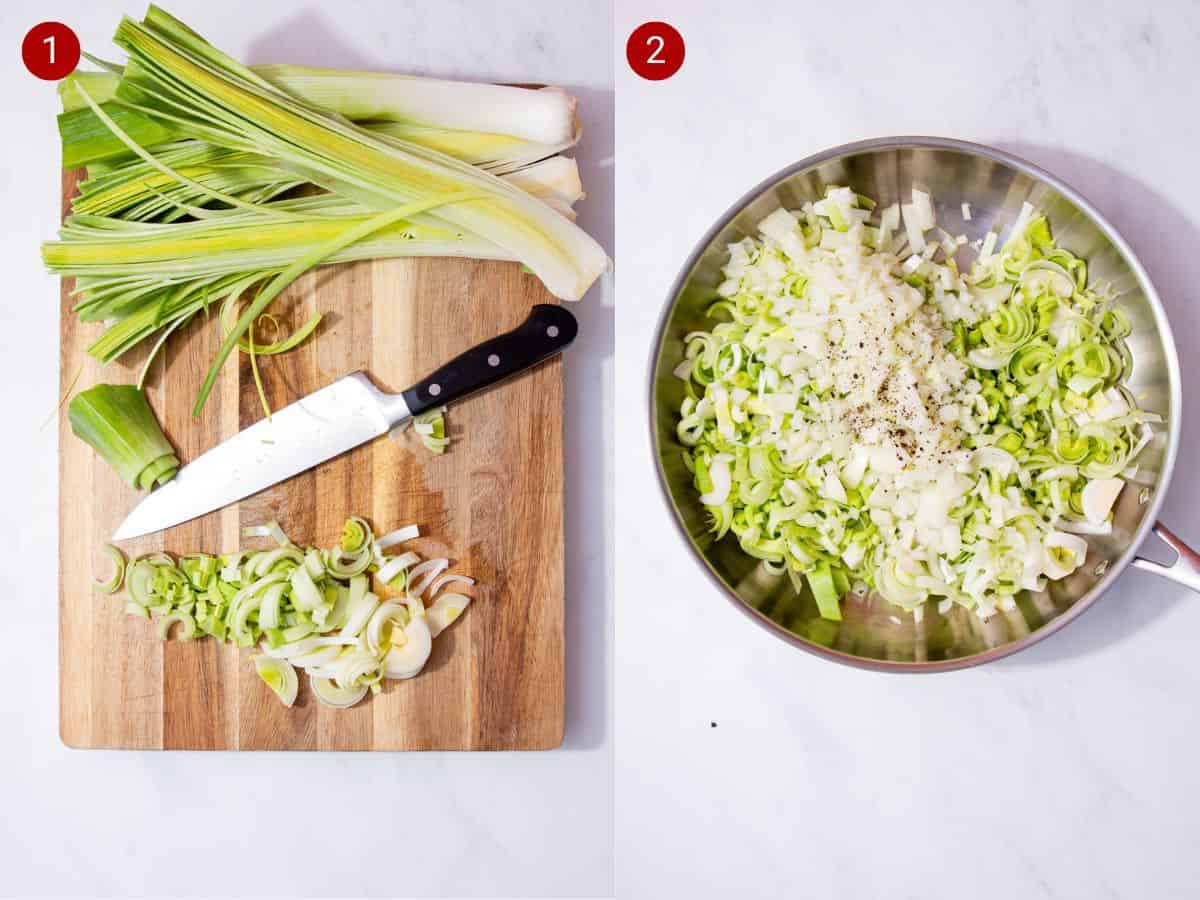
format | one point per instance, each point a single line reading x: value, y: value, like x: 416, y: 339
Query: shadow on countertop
x: 308, y: 38
x: 1166, y: 241
x: 587, y: 457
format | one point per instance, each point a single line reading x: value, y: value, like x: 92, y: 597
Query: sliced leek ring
x: 445, y: 611
x: 279, y: 676
x: 112, y: 584
x: 330, y: 694
x: 406, y: 660
x: 187, y: 630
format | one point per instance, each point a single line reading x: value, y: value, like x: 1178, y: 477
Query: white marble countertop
x: 210, y: 825
x: 1067, y: 771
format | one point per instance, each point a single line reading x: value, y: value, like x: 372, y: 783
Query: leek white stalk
x: 226, y: 104
x: 498, y: 128
x: 545, y: 115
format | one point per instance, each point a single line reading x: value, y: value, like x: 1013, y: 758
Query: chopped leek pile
x: 117, y: 422
x: 195, y: 163
x: 349, y: 616
x: 867, y: 416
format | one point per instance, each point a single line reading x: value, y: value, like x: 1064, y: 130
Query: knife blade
x: 338, y: 418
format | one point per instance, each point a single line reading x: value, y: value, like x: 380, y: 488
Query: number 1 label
x: 50, y: 51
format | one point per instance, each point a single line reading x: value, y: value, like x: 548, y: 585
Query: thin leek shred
x: 304, y: 607
x: 140, y: 278
x: 866, y: 413
x: 62, y: 401
x: 117, y: 422
x: 280, y: 281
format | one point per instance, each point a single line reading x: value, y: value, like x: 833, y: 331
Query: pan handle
x: 1185, y: 569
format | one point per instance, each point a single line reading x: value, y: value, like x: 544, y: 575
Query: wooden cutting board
x: 493, y: 504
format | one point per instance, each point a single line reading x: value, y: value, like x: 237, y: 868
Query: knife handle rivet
x: 552, y: 331
x: 493, y: 360
x: 434, y: 390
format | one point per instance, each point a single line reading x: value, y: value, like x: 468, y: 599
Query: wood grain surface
x: 493, y: 504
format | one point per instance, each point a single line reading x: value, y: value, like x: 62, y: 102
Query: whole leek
x: 174, y: 74
x: 189, y: 151
x: 497, y: 127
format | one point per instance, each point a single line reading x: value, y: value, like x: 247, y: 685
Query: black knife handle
x: 547, y: 331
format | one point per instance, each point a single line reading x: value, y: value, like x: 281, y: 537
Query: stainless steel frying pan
x: 995, y: 184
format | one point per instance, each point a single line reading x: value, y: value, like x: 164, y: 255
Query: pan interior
x: 873, y: 632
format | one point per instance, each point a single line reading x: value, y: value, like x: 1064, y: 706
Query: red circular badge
x: 50, y: 51
x: 655, y: 50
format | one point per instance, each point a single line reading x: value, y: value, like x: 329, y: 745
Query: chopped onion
x: 923, y: 208
x: 912, y: 228
x: 1098, y: 497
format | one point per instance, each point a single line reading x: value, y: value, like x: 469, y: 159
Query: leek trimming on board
x: 117, y: 422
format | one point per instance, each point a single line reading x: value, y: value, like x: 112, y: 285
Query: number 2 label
x: 655, y: 51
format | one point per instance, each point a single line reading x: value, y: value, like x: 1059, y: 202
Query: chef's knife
x: 337, y: 418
